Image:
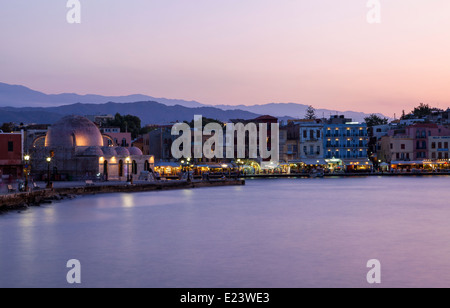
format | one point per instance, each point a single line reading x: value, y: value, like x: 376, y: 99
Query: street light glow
x: 49, y: 159
x: 27, y: 157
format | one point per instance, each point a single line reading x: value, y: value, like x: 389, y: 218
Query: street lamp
x: 27, y: 170
x: 128, y: 168
x: 49, y: 160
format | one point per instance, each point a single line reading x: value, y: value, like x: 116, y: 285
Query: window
x: 440, y: 145
x: 424, y: 144
x: 407, y: 156
x: 311, y: 134
x: 446, y: 155
x: 311, y: 150
x: 433, y: 155
x: 445, y: 145
x: 403, y: 146
x: 440, y: 155
x: 318, y: 150
x: 397, y: 155
x: 10, y: 146
x: 305, y: 133
x: 305, y: 149
x: 433, y: 145
x: 318, y: 133
x: 392, y: 146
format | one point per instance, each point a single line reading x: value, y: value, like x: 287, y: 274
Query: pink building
x: 116, y: 138
x: 421, y: 134
x: 11, y: 152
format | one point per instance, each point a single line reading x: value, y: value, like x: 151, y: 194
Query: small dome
x: 92, y: 151
x: 109, y: 151
x: 73, y: 131
x: 121, y: 151
x: 135, y: 151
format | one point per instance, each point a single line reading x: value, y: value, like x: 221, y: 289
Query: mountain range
x: 22, y: 104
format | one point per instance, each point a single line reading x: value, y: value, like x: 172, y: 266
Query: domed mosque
x: 78, y: 152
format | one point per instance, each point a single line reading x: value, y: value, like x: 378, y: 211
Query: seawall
x: 19, y: 200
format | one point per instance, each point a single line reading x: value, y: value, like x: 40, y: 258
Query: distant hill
x: 148, y: 112
x: 20, y: 96
x: 295, y: 110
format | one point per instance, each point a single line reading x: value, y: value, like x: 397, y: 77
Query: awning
x: 314, y: 161
x: 168, y: 164
x: 437, y: 162
x: 407, y: 163
x: 294, y: 162
x: 357, y: 162
x: 384, y: 165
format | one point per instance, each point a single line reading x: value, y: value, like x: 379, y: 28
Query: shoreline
x: 360, y: 174
x: 44, y: 196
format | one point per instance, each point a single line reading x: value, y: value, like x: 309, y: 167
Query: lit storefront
x: 168, y: 168
x: 358, y: 165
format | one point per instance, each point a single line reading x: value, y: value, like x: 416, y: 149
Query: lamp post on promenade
x: 27, y: 170
x: 49, y: 160
x: 128, y: 168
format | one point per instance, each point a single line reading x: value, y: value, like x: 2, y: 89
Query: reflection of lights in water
x: 187, y: 192
x: 128, y: 200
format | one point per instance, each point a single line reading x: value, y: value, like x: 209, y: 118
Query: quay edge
x: 24, y: 199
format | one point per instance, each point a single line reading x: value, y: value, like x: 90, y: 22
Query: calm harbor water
x: 269, y: 233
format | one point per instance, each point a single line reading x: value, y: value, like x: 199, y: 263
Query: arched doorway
x: 146, y: 166
x: 134, y: 167
x: 120, y: 168
x: 105, y: 170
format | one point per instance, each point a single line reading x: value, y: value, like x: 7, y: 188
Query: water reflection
x: 269, y: 233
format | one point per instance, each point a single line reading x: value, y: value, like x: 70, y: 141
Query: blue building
x: 346, y: 144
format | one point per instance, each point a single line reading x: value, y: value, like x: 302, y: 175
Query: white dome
x: 73, y: 131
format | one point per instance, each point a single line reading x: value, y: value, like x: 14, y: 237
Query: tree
x: 374, y: 120
x: 310, y: 113
x: 422, y: 110
x: 7, y: 127
x: 127, y: 123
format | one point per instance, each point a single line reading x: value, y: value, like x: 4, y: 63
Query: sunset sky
x: 322, y: 53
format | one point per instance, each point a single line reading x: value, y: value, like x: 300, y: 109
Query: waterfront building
x: 384, y: 153
x: 311, y: 142
x: 347, y: 141
x: 159, y: 143
x: 77, y: 150
x: 417, y: 146
x: 438, y: 148
x: 11, y: 155
x: 401, y: 149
